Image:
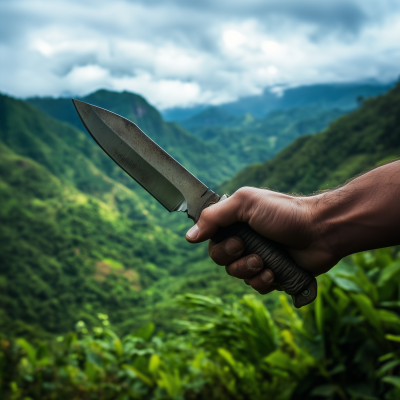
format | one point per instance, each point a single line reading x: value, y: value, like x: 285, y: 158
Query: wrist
x: 327, y: 227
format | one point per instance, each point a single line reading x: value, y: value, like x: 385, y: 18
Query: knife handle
x: 295, y: 281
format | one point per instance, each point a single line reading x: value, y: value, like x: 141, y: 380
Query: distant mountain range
x: 212, y: 137
x: 353, y: 143
x: 323, y: 96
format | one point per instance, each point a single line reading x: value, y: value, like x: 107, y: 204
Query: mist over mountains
x: 322, y: 96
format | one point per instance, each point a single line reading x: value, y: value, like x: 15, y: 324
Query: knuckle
x: 244, y: 193
x: 218, y: 255
x: 205, y: 216
x: 242, y: 268
x: 245, y: 197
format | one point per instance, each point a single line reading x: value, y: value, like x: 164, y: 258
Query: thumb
x: 222, y: 214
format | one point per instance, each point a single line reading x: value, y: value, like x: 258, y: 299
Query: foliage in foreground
x: 343, y: 346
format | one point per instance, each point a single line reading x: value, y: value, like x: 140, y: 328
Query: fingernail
x: 233, y: 246
x: 253, y: 263
x: 193, y: 232
x: 266, y: 276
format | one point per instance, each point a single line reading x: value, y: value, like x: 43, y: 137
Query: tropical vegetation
x: 102, y: 298
x: 346, y: 345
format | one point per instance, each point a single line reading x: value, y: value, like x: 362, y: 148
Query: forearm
x: 362, y: 215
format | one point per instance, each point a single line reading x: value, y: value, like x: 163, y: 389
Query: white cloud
x: 185, y: 53
x: 233, y: 39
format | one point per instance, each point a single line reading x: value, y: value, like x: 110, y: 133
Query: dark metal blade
x: 146, y: 162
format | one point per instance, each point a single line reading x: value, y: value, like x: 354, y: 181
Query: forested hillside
x: 213, y: 136
x: 78, y: 236
x: 251, y: 140
x: 193, y: 153
x: 355, y: 142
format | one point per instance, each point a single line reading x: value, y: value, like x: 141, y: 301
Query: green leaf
x: 323, y: 390
x: 319, y: 318
x: 393, y: 338
x: 368, y: 310
x: 361, y: 391
x: 393, y: 380
x: 389, y: 318
x: 227, y: 356
x: 154, y: 363
x: 347, y: 285
x: 145, y: 379
x: 90, y: 371
x: 170, y: 382
x: 388, y: 366
x: 29, y: 350
x: 146, y: 331
x: 388, y: 273
x: 118, y: 347
x: 343, y: 300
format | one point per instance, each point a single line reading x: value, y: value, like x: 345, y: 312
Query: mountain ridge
x: 351, y: 144
x: 323, y: 95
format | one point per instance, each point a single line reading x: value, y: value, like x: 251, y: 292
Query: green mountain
x: 357, y: 141
x: 199, y: 157
x: 252, y: 140
x: 212, y: 116
x: 79, y: 237
x: 233, y: 142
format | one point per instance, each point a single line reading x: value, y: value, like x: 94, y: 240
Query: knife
x: 178, y: 190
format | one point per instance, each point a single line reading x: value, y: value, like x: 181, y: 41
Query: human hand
x: 285, y: 219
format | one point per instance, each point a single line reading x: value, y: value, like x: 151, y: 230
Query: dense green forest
x: 249, y: 140
x: 94, y: 277
x: 75, y: 239
x: 351, y: 144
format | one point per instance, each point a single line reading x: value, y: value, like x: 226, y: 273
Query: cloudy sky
x: 187, y: 52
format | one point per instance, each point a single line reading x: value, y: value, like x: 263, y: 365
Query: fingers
x: 227, y: 251
x: 246, y: 267
x: 249, y: 268
x: 263, y: 282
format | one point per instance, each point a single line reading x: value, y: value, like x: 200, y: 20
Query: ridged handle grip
x: 295, y: 281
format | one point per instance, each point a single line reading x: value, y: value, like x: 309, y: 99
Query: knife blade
x: 178, y: 190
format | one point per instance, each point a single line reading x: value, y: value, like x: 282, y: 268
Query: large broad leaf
x: 29, y: 350
x: 347, y: 284
x: 91, y: 372
x: 154, y: 364
x: 145, y: 332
